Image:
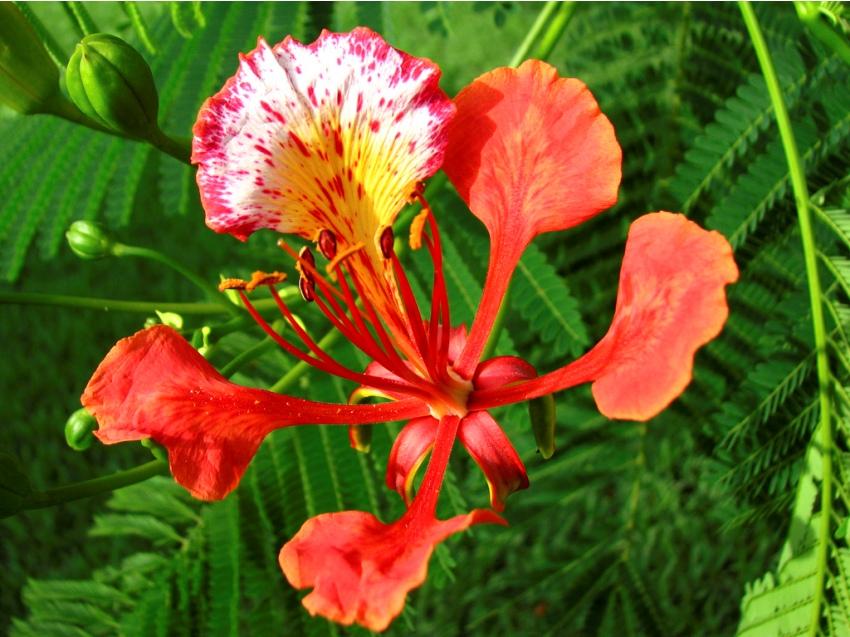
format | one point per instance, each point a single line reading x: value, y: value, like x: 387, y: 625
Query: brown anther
x: 306, y: 255
x: 306, y: 264
x: 257, y: 278
x: 307, y: 287
x: 327, y: 244
x: 386, y: 242
x: 418, y: 191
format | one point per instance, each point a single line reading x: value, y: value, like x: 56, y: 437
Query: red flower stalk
x: 329, y: 141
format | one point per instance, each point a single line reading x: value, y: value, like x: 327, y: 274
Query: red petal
x: 361, y: 569
x: 409, y: 450
x: 529, y: 152
x: 155, y: 385
x: 332, y: 135
x: 490, y: 448
x: 671, y: 302
x: 501, y: 370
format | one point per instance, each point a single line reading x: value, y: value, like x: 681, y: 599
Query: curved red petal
x: 332, y: 135
x: 493, y: 452
x: 155, y: 385
x: 335, y: 135
x: 409, y: 451
x: 671, y: 302
x: 365, y: 391
x: 361, y: 569
x: 501, y: 370
x: 531, y: 152
x: 457, y: 340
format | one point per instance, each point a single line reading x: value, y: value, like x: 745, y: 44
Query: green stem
x: 809, y: 15
x: 80, y: 17
x: 801, y: 198
x: 180, y: 149
x: 554, y: 30
x: 253, y: 352
x: 88, y: 488
x: 297, y: 370
x: 543, y: 18
x: 122, y: 250
x: 106, y: 305
x: 54, y: 50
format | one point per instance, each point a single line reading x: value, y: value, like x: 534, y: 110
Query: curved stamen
x: 330, y: 367
x: 376, y: 322
x: 414, y: 316
x: 387, y: 356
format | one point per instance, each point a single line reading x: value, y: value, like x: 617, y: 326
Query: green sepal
x: 79, y: 430
x: 360, y: 437
x: 15, y: 488
x: 157, y: 450
x: 542, y: 413
x: 110, y: 82
x: 29, y: 80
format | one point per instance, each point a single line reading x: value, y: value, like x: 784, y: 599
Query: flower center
x: 451, y: 400
x: 414, y: 351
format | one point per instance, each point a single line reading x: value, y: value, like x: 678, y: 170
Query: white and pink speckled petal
x: 335, y: 134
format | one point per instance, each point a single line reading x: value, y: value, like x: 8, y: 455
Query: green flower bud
x: 79, y: 430
x: 542, y: 413
x: 157, y: 450
x: 15, y: 486
x: 360, y: 437
x: 88, y: 240
x: 29, y: 80
x: 111, y: 83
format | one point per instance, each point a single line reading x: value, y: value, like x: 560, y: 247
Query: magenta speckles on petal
x: 312, y: 123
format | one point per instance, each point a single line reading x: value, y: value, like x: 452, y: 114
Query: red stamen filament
x: 417, y: 352
x: 414, y: 316
x: 329, y: 366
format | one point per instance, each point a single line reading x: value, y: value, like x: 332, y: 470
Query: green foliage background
x: 701, y: 522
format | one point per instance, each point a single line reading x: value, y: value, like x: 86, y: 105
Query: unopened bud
x: 79, y: 430
x: 15, y: 486
x: 542, y: 413
x: 29, y: 80
x: 360, y: 437
x: 88, y: 240
x: 111, y: 83
x: 157, y: 450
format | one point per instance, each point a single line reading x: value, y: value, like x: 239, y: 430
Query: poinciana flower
x: 330, y: 141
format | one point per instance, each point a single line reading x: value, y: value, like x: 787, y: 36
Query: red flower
x: 329, y: 141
